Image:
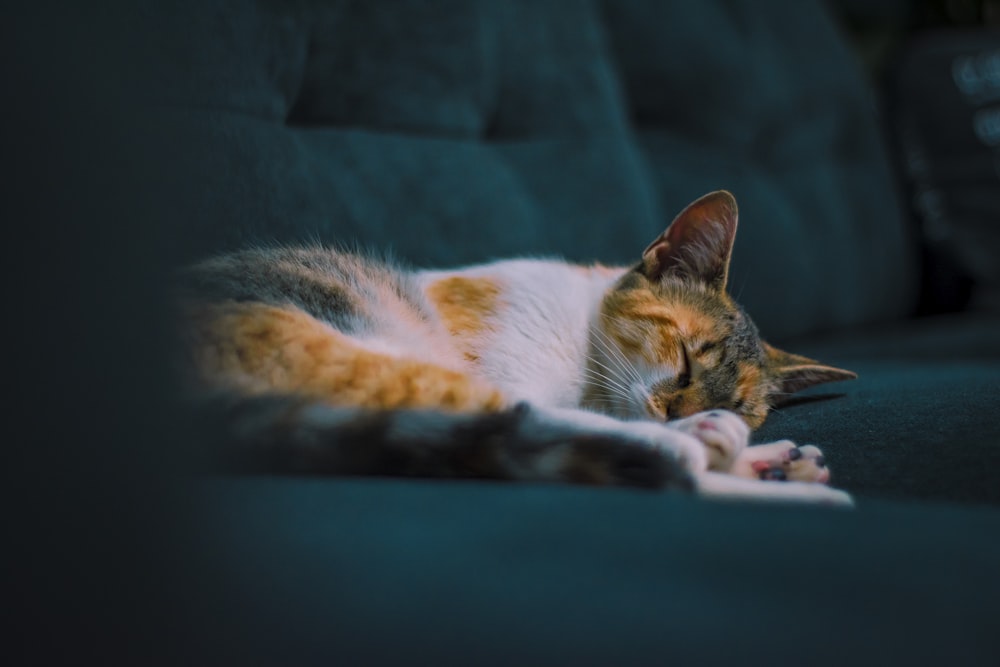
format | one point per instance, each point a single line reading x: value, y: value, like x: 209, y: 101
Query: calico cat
x: 325, y: 362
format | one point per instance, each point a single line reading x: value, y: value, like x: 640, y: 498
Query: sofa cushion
x: 387, y: 572
x: 448, y: 132
x: 920, y: 421
x: 766, y: 100
x: 455, y: 132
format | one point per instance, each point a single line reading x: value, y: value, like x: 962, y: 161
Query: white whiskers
x: 617, y: 379
x: 615, y: 355
x: 602, y: 381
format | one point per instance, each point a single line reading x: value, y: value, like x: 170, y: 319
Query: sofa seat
x: 392, y: 572
x: 919, y: 423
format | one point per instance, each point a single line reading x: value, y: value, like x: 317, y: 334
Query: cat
x: 318, y: 361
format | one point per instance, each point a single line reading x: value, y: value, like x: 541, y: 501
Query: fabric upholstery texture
x: 918, y: 423
x: 380, y: 572
x: 458, y: 142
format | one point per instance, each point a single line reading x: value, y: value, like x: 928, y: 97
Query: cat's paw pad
x: 783, y: 461
x: 723, y: 433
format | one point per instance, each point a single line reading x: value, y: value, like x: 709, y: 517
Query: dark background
x: 906, y: 49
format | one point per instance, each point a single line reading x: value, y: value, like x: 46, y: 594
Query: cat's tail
x: 288, y: 434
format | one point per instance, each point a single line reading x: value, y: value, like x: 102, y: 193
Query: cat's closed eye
x: 705, y: 348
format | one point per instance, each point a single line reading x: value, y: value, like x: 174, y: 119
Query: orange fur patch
x: 647, y: 328
x: 637, y: 322
x: 465, y: 305
x: 257, y: 348
x: 751, y: 389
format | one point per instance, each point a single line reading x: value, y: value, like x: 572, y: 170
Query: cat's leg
x: 257, y: 348
x: 286, y: 434
x: 695, y: 442
x: 725, y: 437
x: 687, y: 449
x: 725, y: 486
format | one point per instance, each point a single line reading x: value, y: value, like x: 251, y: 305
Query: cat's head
x: 670, y: 342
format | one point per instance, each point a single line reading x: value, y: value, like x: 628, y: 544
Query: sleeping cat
x: 324, y: 362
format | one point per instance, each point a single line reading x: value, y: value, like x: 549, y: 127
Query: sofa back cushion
x: 765, y: 99
x: 458, y: 131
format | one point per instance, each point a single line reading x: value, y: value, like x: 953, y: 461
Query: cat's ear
x: 697, y: 244
x: 794, y: 372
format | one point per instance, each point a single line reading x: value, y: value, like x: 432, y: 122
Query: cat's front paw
x: 781, y: 461
x: 723, y: 433
x: 725, y: 486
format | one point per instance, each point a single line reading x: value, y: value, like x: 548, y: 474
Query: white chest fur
x: 534, y: 346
